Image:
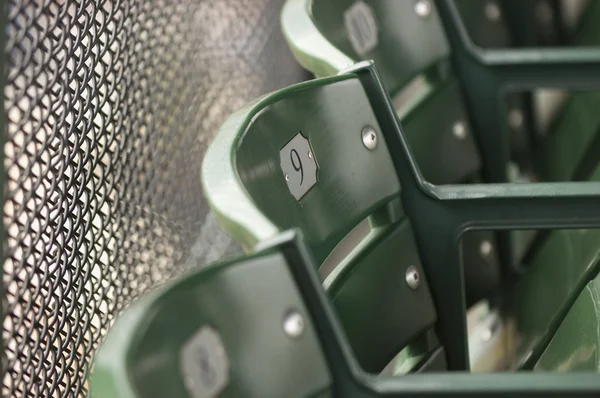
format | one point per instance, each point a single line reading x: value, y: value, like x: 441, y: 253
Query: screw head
x: 459, y: 130
x: 423, y: 8
x: 413, y: 280
x: 515, y: 119
x: 310, y: 155
x: 293, y: 324
x: 486, y: 248
x: 369, y: 138
x: 487, y: 334
x: 492, y: 11
x: 287, y: 177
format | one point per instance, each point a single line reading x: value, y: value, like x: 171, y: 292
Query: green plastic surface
x: 380, y: 313
x: 139, y: 357
x: 548, y: 288
x: 488, y: 74
x: 576, y: 345
x: 241, y: 171
x: 441, y: 214
x: 399, y: 60
x: 564, y: 155
x: 245, y: 302
x: 316, y: 33
x: 431, y: 151
x: 442, y: 157
x: 352, y: 181
x: 572, y: 148
x: 317, y: 36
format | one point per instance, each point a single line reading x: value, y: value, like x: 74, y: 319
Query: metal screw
x: 369, y: 138
x: 515, y: 119
x: 309, y: 154
x: 486, y: 248
x: 459, y: 130
x: 287, y: 177
x: 413, y: 280
x: 423, y: 8
x: 293, y: 324
x: 492, y: 11
x: 487, y: 334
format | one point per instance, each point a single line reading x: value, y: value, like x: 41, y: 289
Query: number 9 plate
x: 299, y: 166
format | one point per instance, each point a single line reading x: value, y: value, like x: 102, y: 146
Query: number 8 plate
x: 299, y: 166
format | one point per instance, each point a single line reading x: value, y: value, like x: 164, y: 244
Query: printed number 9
x: 297, y: 167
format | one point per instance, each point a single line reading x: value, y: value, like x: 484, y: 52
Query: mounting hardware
x: 293, y: 324
x: 413, y: 280
x: 423, y: 8
x: 369, y: 138
x: 486, y: 248
x: 460, y: 130
x: 515, y: 119
x: 493, y: 12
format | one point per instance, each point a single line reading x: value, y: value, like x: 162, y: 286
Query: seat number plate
x: 361, y: 28
x: 299, y: 166
x: 204, y: 364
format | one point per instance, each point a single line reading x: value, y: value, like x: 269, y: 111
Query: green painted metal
x: 488, y: 74
x: 378, y: 310
x: 309, y: 25
x: 546, y: 292
x: 440, y: 214
x: 317, y: 36
x: 560, y: 156
x: 350, y: 381
x: 566, y: 261
x: 576, y: 344
x: 442, y: 157
x: 485, y: 32
x: 248, y: 193
x: 140, y: 355
x: 399, y: 60
x: 352, y: 181
x: 515, y: 25
x: 246, y: 302
x: 435, y: 363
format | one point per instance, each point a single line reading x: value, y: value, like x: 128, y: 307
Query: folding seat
x: 288, y: 175
x: 409, y: 48
x: 290, y: 168
x: 406, y: 39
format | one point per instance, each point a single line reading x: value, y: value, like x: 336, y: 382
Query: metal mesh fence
x: 110, y: 107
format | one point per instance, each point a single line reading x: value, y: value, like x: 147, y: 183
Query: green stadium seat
x: 410, y: 41
x: 426, y: 94
x: 253, y: 193
x: 264, y: 325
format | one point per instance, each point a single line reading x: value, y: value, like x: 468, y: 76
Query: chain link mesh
x: 110, y: 106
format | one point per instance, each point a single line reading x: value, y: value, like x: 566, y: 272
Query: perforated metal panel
x: 110, y: 107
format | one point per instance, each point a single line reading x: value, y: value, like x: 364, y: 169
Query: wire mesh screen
x: 110, y: 107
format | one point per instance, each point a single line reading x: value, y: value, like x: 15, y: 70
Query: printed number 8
x: 297, y: 167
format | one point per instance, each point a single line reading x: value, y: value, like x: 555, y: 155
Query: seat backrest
x: 378, y: 30
x: 409, y: 47
x: 238, y: 328
x: 372, y: 286
x: 352, y: 181
x: 302, y: 159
